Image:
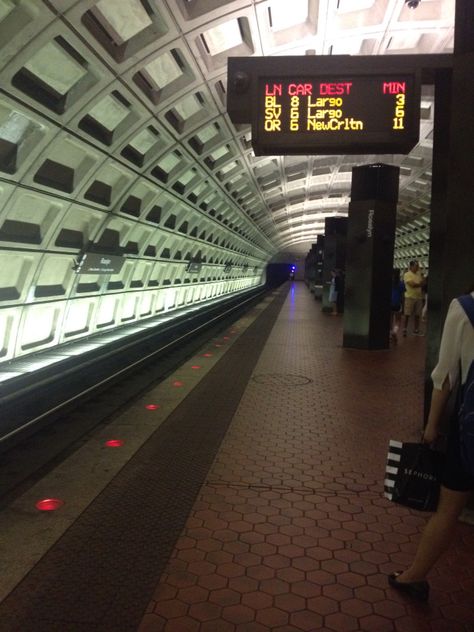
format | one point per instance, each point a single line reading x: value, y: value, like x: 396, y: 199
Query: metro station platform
x: 245, y: 495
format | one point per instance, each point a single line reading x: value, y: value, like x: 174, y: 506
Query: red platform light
x: 114, y: 443
x: 177, y: 383
x: 152, y: 406
x: 49, y: 504
x: 195, y: 366
x: 207, y: 355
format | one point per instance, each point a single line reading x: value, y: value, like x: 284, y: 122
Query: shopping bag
x: 412, y: 475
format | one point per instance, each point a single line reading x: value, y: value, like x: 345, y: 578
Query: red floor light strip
x: 178, y: 383
x: 207, y: 355
x: 196, y: 366
x: 49, y: 504
x: 114, y: 443
x: 152, y: 406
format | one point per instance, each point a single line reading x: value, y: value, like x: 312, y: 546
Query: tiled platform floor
x: 291, y: 531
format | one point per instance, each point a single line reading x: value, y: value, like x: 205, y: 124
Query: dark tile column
x: 452, y: 199
x: 369, y: 260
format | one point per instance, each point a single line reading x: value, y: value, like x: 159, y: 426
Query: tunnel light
x: 39, y: 325
x: 49, y: 504
x: 196, y: 367
x: 152, y: 406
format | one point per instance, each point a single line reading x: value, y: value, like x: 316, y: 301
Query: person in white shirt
x: 455, y: 357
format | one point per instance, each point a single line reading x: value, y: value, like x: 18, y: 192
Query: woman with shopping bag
x: 456, y: 357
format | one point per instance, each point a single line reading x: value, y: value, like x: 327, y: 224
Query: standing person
x: 424, y: 311
x: 398, y: 289
x: 333, y: 291
x: 414, y: 282
x: 456, y: 357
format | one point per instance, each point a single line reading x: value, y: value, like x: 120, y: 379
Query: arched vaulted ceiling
x: 171, y: 55
x: 113, y: 123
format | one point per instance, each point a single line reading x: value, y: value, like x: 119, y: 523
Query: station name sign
x: 341, y: 114
x: 95, y: 263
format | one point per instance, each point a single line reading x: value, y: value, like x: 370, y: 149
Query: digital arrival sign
x: 342, y: 114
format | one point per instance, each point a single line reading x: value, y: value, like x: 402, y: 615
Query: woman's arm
x: 446, y: 373
x: 439, y: 399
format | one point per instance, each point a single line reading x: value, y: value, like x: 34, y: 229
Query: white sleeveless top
x: 457, y: 347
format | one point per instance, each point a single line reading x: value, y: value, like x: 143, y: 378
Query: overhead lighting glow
x: 109, y: 112
x: 348, y: 6
x: 55, y: 67
x: 283, y: 14
x: 6, y: 7
x: 404, y: 41
x: 188, y: 106
x: 222, y: 37
x: 163, y: 70
x: 124, y: 19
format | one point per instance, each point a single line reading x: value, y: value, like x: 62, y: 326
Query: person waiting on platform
x: 424, y: 312
x: 398, y: 289
x: 334, y: 289
x: 414, y: 281
x: 456, y: 355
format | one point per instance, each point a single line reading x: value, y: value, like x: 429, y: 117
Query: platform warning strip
x: 100, y: 575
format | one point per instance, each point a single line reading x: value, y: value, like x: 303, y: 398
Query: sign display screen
x: 336, y: 114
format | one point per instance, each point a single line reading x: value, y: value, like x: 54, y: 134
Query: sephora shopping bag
x: 412, y: 475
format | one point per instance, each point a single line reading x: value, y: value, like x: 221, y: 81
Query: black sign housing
x: 327, y: 105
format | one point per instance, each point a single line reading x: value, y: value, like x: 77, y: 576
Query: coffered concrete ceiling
x: 171, y: 57
x: 114, y: 137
